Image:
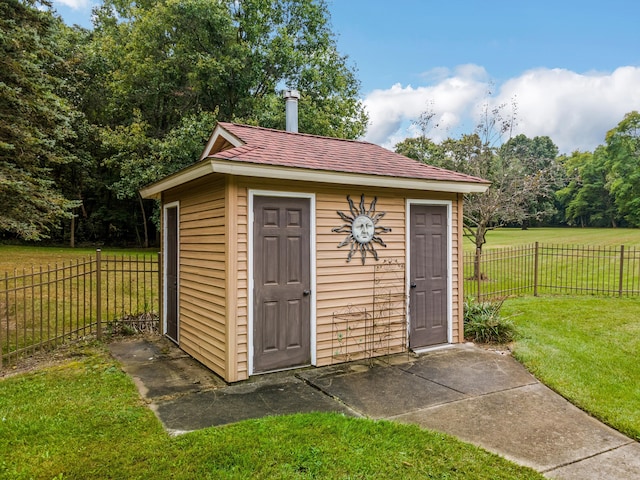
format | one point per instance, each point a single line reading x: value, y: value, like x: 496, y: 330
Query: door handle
x: 306, y: 292
x: 413, y: 285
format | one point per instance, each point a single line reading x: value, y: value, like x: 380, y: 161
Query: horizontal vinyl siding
x: 342, y: 287
x: 202, y: 271
x: 350, y: 324
x: 241, y: 265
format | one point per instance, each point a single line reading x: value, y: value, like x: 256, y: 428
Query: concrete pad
x: 159, y: 374
x: 471, y: 370
x: 531, y: 425
x: 381, y: 391
x: 618, y: 464
x: 136, y: 351
x: 144, y: 350
x: 253, y: 400
x: 479, y: 396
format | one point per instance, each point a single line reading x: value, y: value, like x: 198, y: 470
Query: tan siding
x: 344, y: 287
x: 341, y: 285
x: 214, y: 274
x: 241, y: 266
x: 202, y: 271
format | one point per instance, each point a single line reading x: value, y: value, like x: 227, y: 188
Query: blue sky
x: 572, y: 67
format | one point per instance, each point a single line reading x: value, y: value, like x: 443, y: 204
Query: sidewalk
x: 479, y: 396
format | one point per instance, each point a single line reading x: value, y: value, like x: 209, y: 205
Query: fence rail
x: 548, y: 268
x: 44, y: 307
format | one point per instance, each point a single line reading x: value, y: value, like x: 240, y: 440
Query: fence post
x: 535, y: 270
x: 6, y: 304
x: 160, y: 299
x: 621, y: 270
x: 98, y: 294
x: 478, y: 269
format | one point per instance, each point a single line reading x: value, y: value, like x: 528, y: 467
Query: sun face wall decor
x: 361, y: 228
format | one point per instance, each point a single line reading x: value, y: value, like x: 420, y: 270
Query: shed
x: 282, y: 250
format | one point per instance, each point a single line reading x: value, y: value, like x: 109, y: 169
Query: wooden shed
x: 283, y: 250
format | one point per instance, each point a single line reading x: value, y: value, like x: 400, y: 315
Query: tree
x: 537, y: 157
x: 165, y: 71
x: 36, y: 124
x: 518, y: 175
x: 585, y: 199
x: 140, y: 160
x: 623, y: 163
x: 174, y: 57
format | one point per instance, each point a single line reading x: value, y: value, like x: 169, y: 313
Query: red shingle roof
x: 286, y: 149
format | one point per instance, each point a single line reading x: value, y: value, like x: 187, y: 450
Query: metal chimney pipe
x: 291, y: 109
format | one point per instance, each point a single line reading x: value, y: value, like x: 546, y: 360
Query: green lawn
x: 586, y: 348
x: 53, y: 295
x: 510, y: 237
x: 24, y: 257
x: 569, y: 261
x: 84, y: 419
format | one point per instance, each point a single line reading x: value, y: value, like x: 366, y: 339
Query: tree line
x: 87, y: 117
x: 532, y: 185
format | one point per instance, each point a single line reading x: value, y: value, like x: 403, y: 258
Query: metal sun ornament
x: 362, y: 229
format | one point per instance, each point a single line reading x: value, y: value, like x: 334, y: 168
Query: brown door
x: 171, y: 274
x: 281, y: 266
x: 428, y: 309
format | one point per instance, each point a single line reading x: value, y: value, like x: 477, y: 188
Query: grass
x: 19, y: 257
x: 84, y: 419
x: 44, y: 306
x: 570, y: 261
x: 511, y: 237
x: 585, y: 348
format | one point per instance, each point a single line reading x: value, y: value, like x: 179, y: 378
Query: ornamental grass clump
x: 484, y: 324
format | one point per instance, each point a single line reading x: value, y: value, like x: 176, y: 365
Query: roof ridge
x: 301, y: 134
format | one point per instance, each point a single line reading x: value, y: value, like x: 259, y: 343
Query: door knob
x: 413, y: 285
x: 306, y: 292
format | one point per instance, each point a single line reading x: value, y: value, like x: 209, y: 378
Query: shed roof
x: 263, y: 152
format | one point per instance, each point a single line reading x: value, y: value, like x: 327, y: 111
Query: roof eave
x: 195, y: 171
x: 244, y: 169
x: 344, y: 178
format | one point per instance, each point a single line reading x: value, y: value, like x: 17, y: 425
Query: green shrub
x: 483, y: 323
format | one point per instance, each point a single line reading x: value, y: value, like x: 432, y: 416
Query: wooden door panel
x: 294, y: 261
x: 295, y: 312
x: 269, y: 260
x: 270, y: 314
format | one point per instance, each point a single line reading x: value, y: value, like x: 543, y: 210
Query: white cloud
x: 75, y: 4
x: 391, y: 111
x: 574, y: 110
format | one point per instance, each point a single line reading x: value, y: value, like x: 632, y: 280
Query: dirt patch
x: 499, y: 348
x: 86, y: 347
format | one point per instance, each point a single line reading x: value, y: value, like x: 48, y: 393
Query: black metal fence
x: 538, y: 269
x: 44, y: 307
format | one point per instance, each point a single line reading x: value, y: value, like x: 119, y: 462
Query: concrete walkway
x: 479, y: 396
